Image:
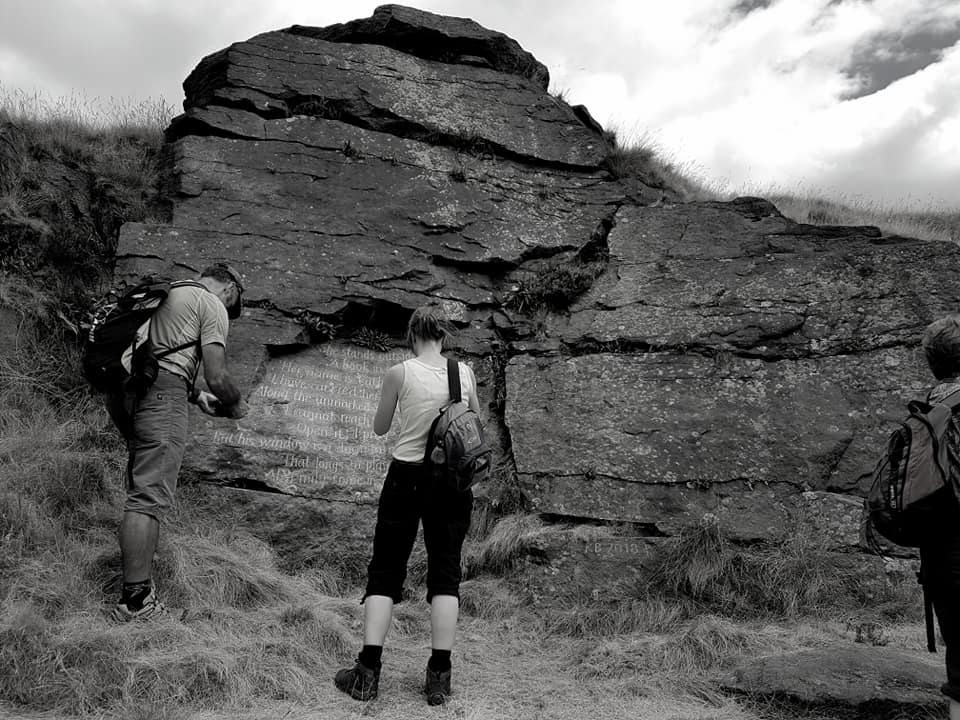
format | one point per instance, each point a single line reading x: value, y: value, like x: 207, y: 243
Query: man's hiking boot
x: 359, y: 682
x: 151, y: 608
x: 437, y: 686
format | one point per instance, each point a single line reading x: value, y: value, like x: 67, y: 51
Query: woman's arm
x: 389, y: 393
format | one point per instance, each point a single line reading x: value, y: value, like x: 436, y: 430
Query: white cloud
x: 29, y: 78
x: 754, y: 99
x: 757, y: 103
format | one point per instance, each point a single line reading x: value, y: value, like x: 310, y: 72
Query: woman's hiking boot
x: 437, y: 686
x: 359, y: 682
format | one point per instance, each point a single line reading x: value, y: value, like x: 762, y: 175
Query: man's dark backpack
x: 913, y: 482
x: 456, y: 449
x: 118, y: 356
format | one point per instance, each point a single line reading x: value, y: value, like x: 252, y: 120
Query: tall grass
x: 784, y: 579
x: 251, y: 632
x: 639, y: 156
x: 72, y: 171
x: 925, y: 223
x: 700, y: 645
x: 509, y: 539
x: 77, y: 117
x: 642, y: 158
x: 40, y: 355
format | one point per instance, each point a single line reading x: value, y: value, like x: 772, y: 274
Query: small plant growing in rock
x: 459, y: 173
x: 554, y: 288
x: 461, y: 140
x: 318, y: 328
x: 373, y: 339
x: 472, y: 144
x: 316, y: 107
x: 350, y: 151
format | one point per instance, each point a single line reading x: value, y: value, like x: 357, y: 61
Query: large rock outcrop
x: 353, y: 174
x: 724, y: 359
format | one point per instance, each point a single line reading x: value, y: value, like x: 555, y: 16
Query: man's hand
x: 208, y: 403
x: 234, y: 411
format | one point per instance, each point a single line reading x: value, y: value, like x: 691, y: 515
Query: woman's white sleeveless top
x: 424, y: 391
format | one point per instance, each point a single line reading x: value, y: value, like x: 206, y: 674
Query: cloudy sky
x: 859, y: 98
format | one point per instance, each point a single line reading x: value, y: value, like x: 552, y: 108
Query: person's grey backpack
x: 456, y: 449
x: 912, y: 478
x: 913, y: 483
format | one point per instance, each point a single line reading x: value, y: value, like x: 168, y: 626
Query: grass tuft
x: 699, y: 647
x: 87, y: 664
x: 512, y: 537
x: 643, y: 159
x: 787, y: 579
x: 648, y: 614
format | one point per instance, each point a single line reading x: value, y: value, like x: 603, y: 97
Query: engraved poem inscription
x: 309, y: 430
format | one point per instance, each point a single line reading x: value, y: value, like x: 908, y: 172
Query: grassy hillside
x: 255, y: 636
x: 644, y: 160
x: 72, y: 171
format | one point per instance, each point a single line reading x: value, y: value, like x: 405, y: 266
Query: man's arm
x: 218, y: 379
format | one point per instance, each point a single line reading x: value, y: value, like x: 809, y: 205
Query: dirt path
x: 500, y: 672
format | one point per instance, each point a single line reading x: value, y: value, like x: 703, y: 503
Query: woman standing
x: 414, y: 390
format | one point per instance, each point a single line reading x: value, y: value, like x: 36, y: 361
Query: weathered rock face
x: 752, y: 360
x: 725, y: 360
x: 284, y: 74
x: 457, y: 41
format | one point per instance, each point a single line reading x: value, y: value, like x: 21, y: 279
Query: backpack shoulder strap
x: 453, y: 379
x: 183, y: 346
x: 177, y: 348
x: 142, y: 291
x: 952, y: 400
x: 189, y: 283
x: 192, y: 343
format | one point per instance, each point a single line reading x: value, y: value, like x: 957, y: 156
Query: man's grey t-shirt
x: 189, y: 312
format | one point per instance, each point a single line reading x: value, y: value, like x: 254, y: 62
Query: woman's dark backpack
x: 118, y: 356
x: 456, y: 449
